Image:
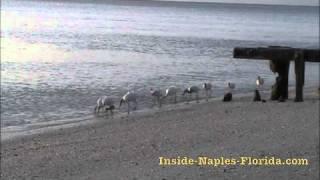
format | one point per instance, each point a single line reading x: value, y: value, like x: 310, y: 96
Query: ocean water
x: 57, y: 58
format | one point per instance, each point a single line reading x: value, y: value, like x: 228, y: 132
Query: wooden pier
x: 280, y: 58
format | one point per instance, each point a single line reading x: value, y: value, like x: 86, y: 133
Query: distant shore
x: 184, y: 3
x: 130, y: 147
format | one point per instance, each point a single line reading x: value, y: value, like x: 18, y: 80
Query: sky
x: 287, y: 2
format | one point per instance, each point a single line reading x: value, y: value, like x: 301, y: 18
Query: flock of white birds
x: 108, y: 104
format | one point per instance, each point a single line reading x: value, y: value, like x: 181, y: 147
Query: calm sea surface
x: 57, y: 58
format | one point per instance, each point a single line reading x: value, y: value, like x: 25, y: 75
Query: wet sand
x: 129, y: 147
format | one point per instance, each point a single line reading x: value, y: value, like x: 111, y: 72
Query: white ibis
x: 208, y: 89
x: 259, y: 81
x: 192, y: 90
x: 129, y: 97
x: 156, y: 94
x: 171, y: 91
x: 104, y: 102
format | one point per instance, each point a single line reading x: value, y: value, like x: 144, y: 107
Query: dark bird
x: 227, y: 97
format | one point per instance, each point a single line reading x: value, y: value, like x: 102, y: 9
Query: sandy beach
x: 130, y: 147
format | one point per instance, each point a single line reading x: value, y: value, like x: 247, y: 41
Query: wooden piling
x: 299, y: 71
x: 280, y: 88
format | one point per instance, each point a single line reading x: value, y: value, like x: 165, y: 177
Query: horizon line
x: 240, y: 3
x: 184, y: 1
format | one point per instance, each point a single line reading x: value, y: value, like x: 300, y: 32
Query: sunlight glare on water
x: 16, y: 50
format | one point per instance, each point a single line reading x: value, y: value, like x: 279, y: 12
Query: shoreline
x: 12, y: 132
x: 130, y: 147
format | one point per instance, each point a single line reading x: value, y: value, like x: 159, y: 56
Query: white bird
x: 208, y: 89
x: 171, y: 91
x: 129, y: 97
x: 157, y: 94
x: 104, y: 102
x: 192, y: 90
x: 259, y: 81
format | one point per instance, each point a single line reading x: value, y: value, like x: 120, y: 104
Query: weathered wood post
x: 280, y: 88
x: 299, y: 68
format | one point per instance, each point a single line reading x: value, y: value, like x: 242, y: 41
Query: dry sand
x: 130, y: 147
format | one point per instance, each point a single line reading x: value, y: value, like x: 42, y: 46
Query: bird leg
x: 159, y: 101
x: 197, y: 97
x: 156, y: 100
x: 111, y: 112
x: 128, y: 107
x: 188, y: 98
x: 207, y: 96
x: 163, y: 98
x: 135, y: 105
x: 153, y: 101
